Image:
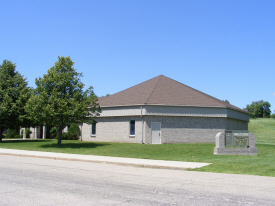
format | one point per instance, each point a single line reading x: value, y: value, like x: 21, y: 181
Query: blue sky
x: 223, y: 48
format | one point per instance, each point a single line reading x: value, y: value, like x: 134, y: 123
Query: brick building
x: 162, y: 110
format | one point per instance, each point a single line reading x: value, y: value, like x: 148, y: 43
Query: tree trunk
x: 1, y: 131
x: 59, y: 137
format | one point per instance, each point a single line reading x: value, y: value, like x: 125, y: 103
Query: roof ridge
x: 153, y: 89
x: 163, y: 90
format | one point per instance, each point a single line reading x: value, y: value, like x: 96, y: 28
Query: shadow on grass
x: 24, y: 141
x: 75, y: 145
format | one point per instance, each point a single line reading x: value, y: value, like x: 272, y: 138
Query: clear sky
x: 223, y: 48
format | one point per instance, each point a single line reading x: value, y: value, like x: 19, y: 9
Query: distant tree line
x: 259, y: 109
x: 226, y: 101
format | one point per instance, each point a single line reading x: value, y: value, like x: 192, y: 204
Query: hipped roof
x: 162, y: 90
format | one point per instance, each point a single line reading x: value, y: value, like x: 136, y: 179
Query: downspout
x: 142, y: 125
x: 81, y: 130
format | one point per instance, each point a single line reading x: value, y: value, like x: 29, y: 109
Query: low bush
x: 74, y: 132
x: 28, y: 132
x: 11, y: 133
x: 54, y: 132
x: 18, y: 136
x: 65, y: 136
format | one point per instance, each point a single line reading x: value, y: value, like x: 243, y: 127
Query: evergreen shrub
x: 74, y: 132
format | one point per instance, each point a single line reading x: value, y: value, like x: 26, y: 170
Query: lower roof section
x: 160, y: 110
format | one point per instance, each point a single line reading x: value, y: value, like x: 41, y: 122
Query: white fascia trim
x: 169, y: 105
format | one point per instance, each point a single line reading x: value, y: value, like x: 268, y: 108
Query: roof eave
x: 169, y: 105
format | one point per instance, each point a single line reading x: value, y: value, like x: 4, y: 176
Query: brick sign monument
x: 238, y: 142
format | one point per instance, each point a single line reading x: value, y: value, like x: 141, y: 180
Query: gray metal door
x: 155, y: 132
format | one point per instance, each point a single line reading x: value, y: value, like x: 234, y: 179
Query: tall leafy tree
x: 259, y: 109
x: 14, y: 93
x: 59, y: 99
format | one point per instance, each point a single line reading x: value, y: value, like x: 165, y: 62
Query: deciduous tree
x: 259, y: 109
x: 59, y: 99
x: 14, y: 93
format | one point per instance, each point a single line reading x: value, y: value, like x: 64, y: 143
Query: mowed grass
x: 264, y: 164
x: 263, y: 129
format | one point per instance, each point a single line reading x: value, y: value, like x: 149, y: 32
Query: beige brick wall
x: 191, y: 129
x: 173, y: 129
x: 113, y: 129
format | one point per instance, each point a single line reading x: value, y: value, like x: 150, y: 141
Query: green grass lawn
x: 264, y: 164
x: 263, y: 129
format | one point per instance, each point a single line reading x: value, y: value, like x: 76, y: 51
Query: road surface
x: 38, y: 181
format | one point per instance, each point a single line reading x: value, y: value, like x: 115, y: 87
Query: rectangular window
x: 132, y: 127
x: 93, y: 131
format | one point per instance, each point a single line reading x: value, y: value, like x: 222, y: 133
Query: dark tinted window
x: 132, y: 127
x: 93, y: 128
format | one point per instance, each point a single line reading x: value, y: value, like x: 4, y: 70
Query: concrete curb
x: 106, y: 159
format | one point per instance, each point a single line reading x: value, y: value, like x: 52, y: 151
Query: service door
x: 155, y: 132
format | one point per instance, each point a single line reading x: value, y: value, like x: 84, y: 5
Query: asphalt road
x: 37, y: 181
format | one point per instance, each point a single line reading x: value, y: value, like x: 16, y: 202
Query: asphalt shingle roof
x: 162, y: 90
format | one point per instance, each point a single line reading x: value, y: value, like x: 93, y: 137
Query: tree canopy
x: 226, y: 101
x: 258, y: 109
x: 59, y: 99
x: 14, y: 93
